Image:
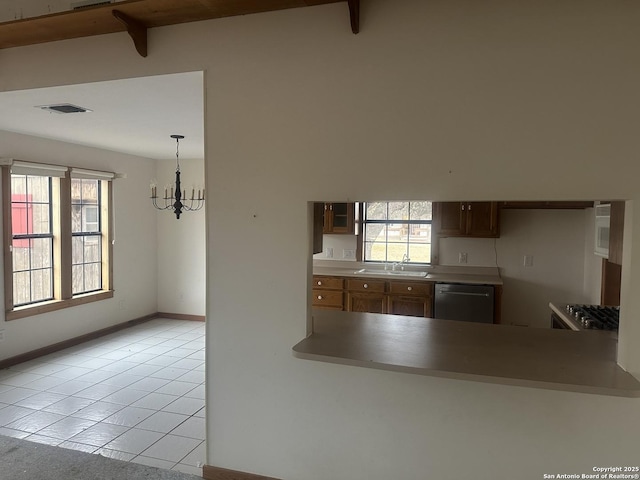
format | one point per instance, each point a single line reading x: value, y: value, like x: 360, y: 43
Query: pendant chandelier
x: 175, y: 198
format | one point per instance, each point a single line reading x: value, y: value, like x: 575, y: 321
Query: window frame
x: 85, y: 233
x: 387, y: 222
x: 35, y: 236
x: 62, y: 246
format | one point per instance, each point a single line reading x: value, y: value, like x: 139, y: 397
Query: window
x: 32, y: 239
x: 393, y: 231
x: 56, y: 237
x: 86, y: 253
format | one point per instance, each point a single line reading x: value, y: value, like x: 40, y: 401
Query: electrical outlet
x: 462, y: 257
x: 349, y: 254
x: 328, y: 253
x: 527, y: 261
x: 1, y: 335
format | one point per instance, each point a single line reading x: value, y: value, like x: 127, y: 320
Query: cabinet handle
x: 409, y: 288
x: 366, y: 285
x: 469, y: 207
x: 319, y: 282
x: 319, y: 297
x: 463, y: 207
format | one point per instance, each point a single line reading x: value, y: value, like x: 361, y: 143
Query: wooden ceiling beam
x: 136, y: 30
x: 354, y: 15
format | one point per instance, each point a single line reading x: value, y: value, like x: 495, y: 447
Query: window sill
x: 507, y: 355
x: 53, y: 305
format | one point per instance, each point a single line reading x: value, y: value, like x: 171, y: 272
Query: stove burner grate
x: 595, y: 317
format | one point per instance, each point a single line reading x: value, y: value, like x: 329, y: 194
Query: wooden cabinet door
x: 339, y: 218
x: 449, y: 218
x: 466, y: 219
x: 410, y: 298
x: 327, y: 219
x: 366, y: 302
x: 413, y: 306
x: 616, y: 232
x: 482, y: 219
x: 318, y: 226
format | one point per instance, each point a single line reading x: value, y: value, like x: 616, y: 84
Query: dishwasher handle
x: 466, y: 294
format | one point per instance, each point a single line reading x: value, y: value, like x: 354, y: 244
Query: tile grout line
x: 74, y: 356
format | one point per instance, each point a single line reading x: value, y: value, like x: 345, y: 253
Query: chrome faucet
x: 400, y: 265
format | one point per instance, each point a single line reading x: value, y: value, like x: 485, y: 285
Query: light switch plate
x: 462, y: 257
x: 328, y: 253
x: 528, y: 261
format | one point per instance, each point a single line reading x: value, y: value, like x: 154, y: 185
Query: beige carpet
x: 24, y: 460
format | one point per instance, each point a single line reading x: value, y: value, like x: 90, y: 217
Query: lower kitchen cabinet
x: 410, y: 306
x: 366, y: 302
x: 366, y: 295
x: 410, y: 298
x: 372, y: 295
x: 328, y: 293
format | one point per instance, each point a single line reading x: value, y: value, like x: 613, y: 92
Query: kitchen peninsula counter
x: 540, y: 358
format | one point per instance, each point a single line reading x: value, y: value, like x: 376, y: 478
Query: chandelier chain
x: 177, y: 155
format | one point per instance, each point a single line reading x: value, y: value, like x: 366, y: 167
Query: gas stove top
x: 594, y: 317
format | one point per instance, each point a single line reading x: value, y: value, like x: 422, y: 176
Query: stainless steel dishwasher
x: 469, y: 303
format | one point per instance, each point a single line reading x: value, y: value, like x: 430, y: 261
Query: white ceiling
x: 134, y: 116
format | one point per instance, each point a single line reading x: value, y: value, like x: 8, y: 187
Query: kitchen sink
x: 390, y: 273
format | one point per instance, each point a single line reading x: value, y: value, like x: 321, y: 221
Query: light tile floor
x: 135, y: 395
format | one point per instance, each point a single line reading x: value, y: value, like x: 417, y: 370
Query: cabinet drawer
x: 326, y: 298
x: 365, y: 285
x: 330, y: 283
x: 411, y: 288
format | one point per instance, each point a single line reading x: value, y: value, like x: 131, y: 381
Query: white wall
x: 339, y: 243
x: 134, y: 251
x: 181, y: 245
x: 565, y: 269
x: 437, y: 100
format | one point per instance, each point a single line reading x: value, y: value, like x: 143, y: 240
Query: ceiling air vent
x: 89, y: 4
x: 63, y: 108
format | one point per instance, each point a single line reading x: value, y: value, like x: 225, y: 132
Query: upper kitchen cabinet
x: 616, y: 232
x: 466, y: 219
x: 318, y: 226
x: 547, y: 205
x: 339, y: 218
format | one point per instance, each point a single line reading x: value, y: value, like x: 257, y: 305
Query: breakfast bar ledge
x: 508, y: 355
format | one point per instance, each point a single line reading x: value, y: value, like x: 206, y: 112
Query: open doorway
x: 136, y: 394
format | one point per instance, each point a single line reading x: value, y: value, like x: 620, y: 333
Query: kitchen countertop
x: 583, y: 361
x: 436, y: 273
